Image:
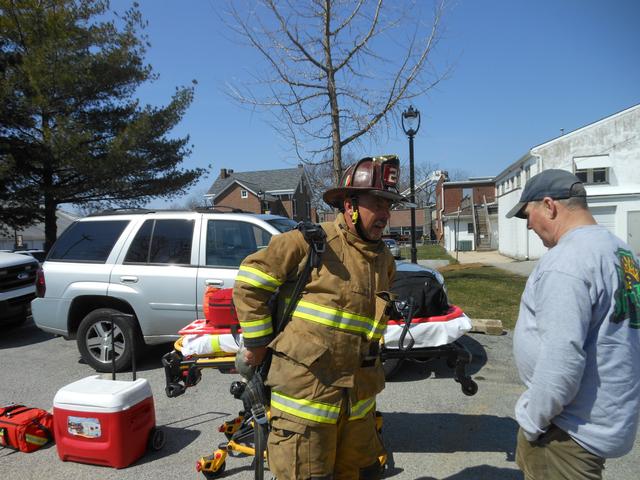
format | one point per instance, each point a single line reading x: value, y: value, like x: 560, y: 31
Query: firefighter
x: 326, y: 370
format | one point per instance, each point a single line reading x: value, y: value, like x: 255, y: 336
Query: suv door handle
x: 129, y: 279
x: 214, y: 282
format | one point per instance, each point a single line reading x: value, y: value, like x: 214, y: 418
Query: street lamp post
x: 410, y: 125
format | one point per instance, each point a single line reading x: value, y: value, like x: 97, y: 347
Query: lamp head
x: 411, y: 121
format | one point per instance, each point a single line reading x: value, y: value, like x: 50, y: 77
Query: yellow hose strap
x: 215, y: 344
x: 257, y: 278
x: 314, y: 411
x: 333, y: 317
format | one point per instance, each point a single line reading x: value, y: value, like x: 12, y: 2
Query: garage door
x: 605, y: 216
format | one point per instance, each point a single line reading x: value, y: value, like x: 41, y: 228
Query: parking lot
x: 431, y: 429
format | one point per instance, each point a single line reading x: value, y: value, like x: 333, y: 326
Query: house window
x: 294, y: 207
x: 593, y: 175
x: 309, y: 210
x: 469, y: 227
x: 592, y: 169
x: 600, y: 175
x: 244, y: 194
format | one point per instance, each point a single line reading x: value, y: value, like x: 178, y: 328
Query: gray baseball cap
x: 553, y: 183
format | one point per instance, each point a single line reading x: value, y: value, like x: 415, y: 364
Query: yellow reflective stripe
x: 314, y: 411
x: 35, y: 439
x: 361, y: 408
x: 257, y: 278
x: 336, y: 318
x: 215, y: 343
x: 257, y: 328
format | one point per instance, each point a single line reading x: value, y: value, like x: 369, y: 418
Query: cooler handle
x: 126, y: 318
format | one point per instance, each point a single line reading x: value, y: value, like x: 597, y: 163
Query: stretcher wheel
x: 469, y: 387
x: 217, y: 473
x: 157, y: 439
x: 391, y: 366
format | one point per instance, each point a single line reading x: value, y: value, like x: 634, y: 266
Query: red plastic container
x: 103, y: 422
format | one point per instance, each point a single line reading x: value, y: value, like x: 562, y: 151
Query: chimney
x: 224, y: 173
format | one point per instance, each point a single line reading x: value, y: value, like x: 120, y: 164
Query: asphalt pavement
x: 431, y: 429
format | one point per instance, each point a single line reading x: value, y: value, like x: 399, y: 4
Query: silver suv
x: 151, y: 266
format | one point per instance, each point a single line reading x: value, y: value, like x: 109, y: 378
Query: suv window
x: 283, y: 224
x: 89, y: 241
x: 230, y: 241
x: 162, y: 242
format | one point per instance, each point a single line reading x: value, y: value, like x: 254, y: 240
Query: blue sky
x: 524, y: 70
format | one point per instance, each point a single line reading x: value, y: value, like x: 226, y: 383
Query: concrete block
x: 485, y: 325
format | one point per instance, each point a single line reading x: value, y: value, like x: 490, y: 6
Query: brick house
x: 465, y: 216
x: 283, y: 192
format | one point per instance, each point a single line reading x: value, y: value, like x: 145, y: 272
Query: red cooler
x: 103, y: 422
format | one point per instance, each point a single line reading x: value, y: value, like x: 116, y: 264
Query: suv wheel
x: 94, y: 340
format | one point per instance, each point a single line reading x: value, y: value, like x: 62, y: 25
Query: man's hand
x: 254, y: 356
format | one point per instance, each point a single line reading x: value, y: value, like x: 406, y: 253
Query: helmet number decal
x: 390, y: 174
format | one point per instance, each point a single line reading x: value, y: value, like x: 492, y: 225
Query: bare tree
x: 336, y: 69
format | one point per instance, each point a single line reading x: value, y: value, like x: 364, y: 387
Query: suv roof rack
x: 144, y: 211
x: 221, y: 209
x: 120, y: 211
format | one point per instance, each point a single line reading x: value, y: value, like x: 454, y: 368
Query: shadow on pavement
x: 482, y: 472
x: 449, y: 432
x: 22, y: 335
x: 413, y: 370
x: 176, y: 440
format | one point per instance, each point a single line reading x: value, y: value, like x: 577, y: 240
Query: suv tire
x: 94, y: 339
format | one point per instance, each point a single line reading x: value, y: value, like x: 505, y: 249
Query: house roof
x: 36, y: 232
x: 284, y: 180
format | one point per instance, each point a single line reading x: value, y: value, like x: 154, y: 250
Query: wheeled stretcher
x: 203, y: 345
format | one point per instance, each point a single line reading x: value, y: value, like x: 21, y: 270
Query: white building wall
x: 449, y: 226
x: 613, y: 141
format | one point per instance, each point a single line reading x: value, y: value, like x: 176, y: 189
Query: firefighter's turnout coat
x: 327, y: 358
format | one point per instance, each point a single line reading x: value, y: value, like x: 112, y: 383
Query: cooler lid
x: 95, y: 391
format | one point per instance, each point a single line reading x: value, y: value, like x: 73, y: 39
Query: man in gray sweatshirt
x: 577, y: 339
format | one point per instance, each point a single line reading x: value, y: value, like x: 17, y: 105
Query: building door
x: 633, y: 231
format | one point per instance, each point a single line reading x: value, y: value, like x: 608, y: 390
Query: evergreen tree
x: 71, y: 129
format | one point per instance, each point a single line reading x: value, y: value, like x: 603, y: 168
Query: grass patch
x: 427, y: 252
x: 485, y: 292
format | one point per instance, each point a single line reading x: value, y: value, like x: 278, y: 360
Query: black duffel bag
x: 422, y: 289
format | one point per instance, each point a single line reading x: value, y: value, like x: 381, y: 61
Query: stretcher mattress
x: 200, y: 338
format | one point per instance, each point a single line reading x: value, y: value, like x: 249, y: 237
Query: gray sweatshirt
x: 577, y: 343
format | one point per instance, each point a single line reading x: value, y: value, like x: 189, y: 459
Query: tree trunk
x: 50, y: 223
x: 333, y: 97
